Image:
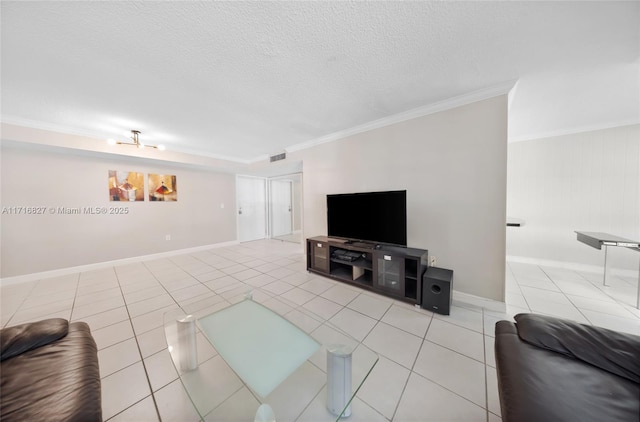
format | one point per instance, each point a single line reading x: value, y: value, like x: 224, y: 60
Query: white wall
x: 297, y: 202
x: 453, y: 166
x: 51, y: 177
x: 586, y: 181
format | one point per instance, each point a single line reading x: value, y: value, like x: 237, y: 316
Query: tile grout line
x: 135, y: 336
x: 566, y: 296
x: 24, y: 299
x: 515, y: 279
x: 483, y: 311
x: 411, y: 371
x: 580, y: 310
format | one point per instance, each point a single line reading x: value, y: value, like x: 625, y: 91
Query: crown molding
x: 51, y: 127
x: 573, y: 130
x: 448, y: 104
x: 258, y: 159
x: 66, y: 130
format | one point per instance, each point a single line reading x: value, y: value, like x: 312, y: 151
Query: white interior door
x: 281, y: 208
x: 251, y: 208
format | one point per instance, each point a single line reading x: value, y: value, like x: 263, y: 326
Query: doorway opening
x: 285, y: 207
x: 270, y: 208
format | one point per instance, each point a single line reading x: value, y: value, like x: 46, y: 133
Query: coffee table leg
x: 187, y: 348
x: 265, y: 414
x: 339, y: 379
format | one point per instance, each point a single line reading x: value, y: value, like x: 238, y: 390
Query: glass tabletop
x: 264, y: 350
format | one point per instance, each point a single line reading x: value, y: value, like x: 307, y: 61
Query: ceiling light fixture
x: 136, y: 142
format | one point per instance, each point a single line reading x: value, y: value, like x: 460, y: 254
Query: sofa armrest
x: 59, y: 381
x: 536, y: 384
x: 24, y: 337
x: 615, y: 352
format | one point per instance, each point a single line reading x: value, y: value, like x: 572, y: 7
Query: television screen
x: 379, y: 217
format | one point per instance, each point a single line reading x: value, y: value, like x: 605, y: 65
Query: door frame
x: 296, y: 207
x: 265, y: 224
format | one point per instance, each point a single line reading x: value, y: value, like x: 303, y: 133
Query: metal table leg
x: 638, y: 299
x: 606, y: 269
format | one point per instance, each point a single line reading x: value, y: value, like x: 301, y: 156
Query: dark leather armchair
x: 49, y: 372
x: 551, y: 369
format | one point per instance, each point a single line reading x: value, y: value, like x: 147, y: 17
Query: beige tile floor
x: 431, y: 368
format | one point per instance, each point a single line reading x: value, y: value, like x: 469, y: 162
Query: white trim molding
x: 96, y: 135
x: 575, y: 266
x: 465, y: 299
x: 448, y: 104
x: 572, y: 131
x: 106, y: 264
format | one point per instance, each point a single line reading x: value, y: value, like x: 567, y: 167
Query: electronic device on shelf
x: 343, y: 255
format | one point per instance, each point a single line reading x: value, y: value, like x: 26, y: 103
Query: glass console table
x: 598, y: 240
x: 273, y: 353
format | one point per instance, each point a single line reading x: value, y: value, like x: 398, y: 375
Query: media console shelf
x: 389, y: 270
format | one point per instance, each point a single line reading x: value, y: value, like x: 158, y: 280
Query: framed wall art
x: 126, y: 186
x: 163, y: 187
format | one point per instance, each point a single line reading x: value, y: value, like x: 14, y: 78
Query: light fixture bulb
x: 140, y: 145
x: 111, y: 141
x: 161, y: 147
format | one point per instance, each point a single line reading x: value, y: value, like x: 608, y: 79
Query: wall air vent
x: 278, y: 157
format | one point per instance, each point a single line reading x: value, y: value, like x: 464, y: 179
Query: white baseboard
x: 100, y: 265
x: 575, y: 266
x: 462, y: 299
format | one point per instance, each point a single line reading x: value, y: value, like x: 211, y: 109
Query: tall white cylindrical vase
x: 339, y: 379
x: 187, y: 348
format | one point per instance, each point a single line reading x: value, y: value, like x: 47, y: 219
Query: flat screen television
x: 379, y: 217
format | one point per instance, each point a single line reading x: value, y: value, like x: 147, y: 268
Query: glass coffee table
x: 264, y: 358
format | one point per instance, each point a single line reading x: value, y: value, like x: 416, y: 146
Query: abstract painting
x: 126, y: 186
x: 163, y: 187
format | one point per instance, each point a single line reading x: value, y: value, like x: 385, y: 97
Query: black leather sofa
x: 49, y: 372
x: 557, y: 370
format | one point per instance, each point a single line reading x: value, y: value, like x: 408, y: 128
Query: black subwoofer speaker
x: 437, y: 284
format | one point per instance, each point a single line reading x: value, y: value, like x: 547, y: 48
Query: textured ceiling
x: 245, y: 79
